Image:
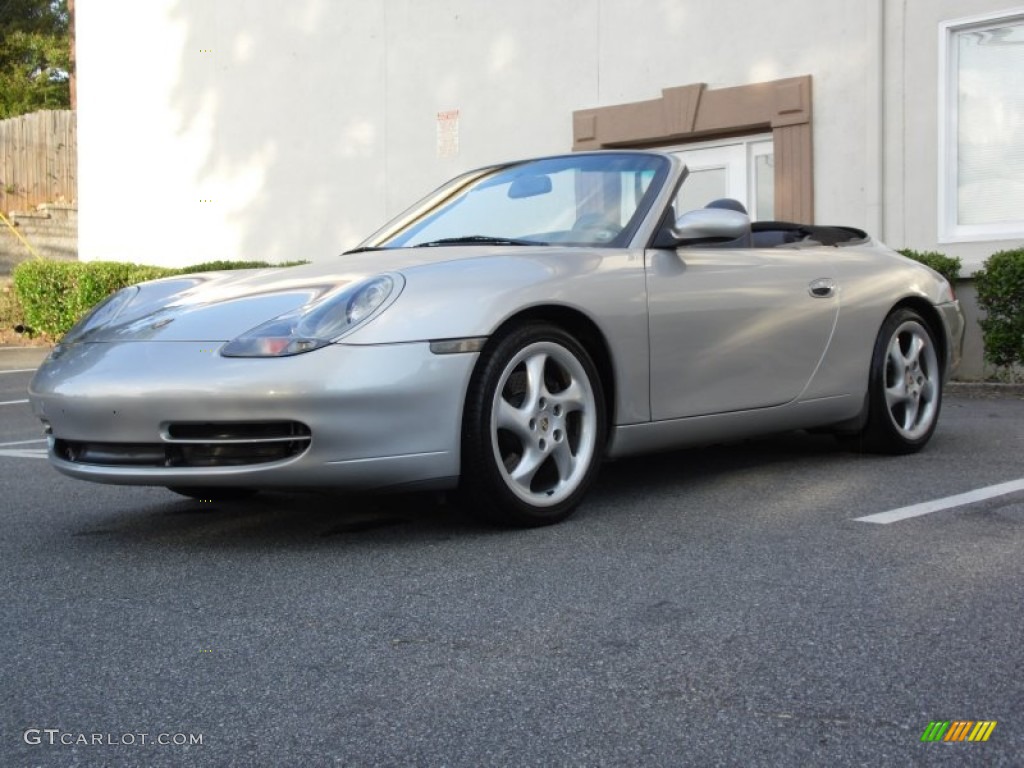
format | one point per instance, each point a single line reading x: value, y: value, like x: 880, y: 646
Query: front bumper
x: 377, y: 416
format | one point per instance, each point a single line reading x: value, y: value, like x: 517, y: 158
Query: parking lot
x: 722, y: 606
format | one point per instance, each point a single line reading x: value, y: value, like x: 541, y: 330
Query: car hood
x: 219, y: 306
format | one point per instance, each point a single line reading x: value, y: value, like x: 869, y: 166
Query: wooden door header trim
x: 689, y: 112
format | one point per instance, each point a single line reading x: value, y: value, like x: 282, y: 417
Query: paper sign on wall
x: 448, y: 133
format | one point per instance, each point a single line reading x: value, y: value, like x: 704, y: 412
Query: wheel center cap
x: 544, y: 424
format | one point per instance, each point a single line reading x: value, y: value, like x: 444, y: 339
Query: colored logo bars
x: 958, y: 730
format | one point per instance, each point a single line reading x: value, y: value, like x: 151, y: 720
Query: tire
x: 534, y: 429
x: 213, y: 493
x: 905, y: 387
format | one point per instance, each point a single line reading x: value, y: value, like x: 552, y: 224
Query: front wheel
x: 534, y: 428
x: 905, y: 386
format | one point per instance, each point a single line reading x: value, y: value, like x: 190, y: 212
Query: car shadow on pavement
x: 283, y: 520
x: 681, y: 468
x: 287, y: 520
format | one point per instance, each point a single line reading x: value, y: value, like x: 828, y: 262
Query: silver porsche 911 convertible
x: 505, y: 336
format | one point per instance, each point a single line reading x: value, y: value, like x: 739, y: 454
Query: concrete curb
x: 983, y: 389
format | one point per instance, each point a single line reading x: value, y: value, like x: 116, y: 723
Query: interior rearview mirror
x: 529, y: 186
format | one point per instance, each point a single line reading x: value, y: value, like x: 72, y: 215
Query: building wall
x: 911, y: 118
x: 252, y: 131
x: 911, y: 147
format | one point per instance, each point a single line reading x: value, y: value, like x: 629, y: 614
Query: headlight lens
x: 317, y: 325
x: 102, y: 314
x: 368, y: 298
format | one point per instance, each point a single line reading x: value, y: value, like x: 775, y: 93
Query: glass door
x: 741, y: 169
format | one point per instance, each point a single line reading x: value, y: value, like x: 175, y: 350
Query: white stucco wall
x: 246, y: 129
x: 254, y: 129
x: 912, y: 125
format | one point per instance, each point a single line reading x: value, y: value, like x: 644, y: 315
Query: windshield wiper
x: 477, y: 240
x: 365, y: 248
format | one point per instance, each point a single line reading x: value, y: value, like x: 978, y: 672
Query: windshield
x: 593, y: 200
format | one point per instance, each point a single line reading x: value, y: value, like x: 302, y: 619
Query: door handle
x: 822, y: 288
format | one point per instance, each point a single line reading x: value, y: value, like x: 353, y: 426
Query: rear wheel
x: 213, y: 494
x: 905, y: 386
x: 534, y: 428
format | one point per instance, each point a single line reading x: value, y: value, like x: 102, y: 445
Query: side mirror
x: 705, y: 225
x: 529, y: 186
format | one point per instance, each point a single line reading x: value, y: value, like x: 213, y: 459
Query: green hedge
x: 54, y: 294
x: 11, y: 313
x: 1000, y: 286
x: 218, y: 266
x: 947, y: 266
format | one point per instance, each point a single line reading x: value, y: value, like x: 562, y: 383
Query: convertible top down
x: 503, y: 336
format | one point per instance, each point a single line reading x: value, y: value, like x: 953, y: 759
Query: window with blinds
x: 982, y: 116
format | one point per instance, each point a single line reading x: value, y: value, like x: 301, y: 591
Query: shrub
x: 214, y: 266
x: 12, y: 315
x: 54, y: 294
x: 1000, y: 287
x: 947, y: 266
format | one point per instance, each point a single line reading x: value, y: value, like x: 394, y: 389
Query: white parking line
x: 13, y: 402
x: 23, y: 442
x: 960, y: 500
x: 24, y: 453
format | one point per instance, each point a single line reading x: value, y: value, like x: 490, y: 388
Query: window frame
x: 950, y: 230
x: 688, y: 112
x: 746, y: 148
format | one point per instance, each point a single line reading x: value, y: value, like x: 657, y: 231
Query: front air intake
x: 207, y: 444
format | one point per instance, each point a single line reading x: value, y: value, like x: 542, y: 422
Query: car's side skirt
x: 631, y: 439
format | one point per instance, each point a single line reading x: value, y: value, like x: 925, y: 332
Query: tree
x: 35, y: 56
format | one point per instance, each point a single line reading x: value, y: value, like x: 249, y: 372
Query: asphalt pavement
x: 711, y: 607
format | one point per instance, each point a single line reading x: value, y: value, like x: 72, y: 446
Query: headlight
x: 102, y: 314
x: 318, y: 324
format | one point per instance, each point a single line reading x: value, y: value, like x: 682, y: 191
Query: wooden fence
x: 38, y: 160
